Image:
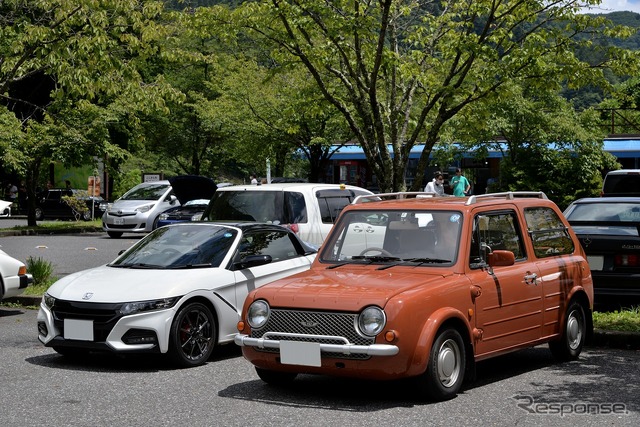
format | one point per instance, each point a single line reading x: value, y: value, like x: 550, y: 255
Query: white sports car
x: 14, y: 278
x: 179, y: 291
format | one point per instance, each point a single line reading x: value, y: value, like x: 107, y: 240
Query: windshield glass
x: 188, y: 245
x: 146, y: 192
x: 426, y: 237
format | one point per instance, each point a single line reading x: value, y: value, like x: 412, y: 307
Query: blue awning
x: 621, y: 148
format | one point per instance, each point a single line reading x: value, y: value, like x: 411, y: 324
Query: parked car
x: 138, y: 209
x: 424, y: 287
x: 5, y: 208
x: 14, y: 278
x: 177, y: 291
x: 308, y: 209
x: 609, y: 231
x: 193, y: 199
x: 54, y: 204
x: 621, y: 183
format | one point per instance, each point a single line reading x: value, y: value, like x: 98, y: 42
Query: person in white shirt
x: 436, y: 185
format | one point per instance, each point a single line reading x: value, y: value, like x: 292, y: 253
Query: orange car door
x: 509, y: 308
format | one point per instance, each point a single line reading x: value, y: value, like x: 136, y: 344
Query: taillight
x: 627, y: 260
x: 294, y: 228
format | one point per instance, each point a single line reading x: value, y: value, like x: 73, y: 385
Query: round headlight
x: 163, y: 216
x: 258, y: 314
x: 371, y: 321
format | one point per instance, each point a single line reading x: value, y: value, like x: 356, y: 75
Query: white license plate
x: 595, y: 262
x: 75, y: 329
x: 299, y: 353
x: 118, y: 221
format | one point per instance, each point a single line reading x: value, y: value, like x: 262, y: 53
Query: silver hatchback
x: 138, y: 209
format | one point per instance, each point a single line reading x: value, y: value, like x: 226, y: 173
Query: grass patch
x: 53, y: 226
x: 627, y: 320
x: 42, y: 272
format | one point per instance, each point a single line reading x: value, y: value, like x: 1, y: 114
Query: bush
x: 42, y: 272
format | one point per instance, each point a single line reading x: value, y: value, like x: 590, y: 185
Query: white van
x: 306, y: 208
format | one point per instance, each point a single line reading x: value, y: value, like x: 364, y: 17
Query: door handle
x: 531, y: 279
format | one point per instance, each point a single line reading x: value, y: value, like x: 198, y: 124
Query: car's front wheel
x: 447, y: 362
x: 276, y: 378
x: 193, y: 335
x: 39, y: 214
x: 570, y: 344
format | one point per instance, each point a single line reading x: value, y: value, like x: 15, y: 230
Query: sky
x: 607, y: 6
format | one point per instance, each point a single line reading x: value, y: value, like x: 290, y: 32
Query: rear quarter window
x: 548, y: 233
x: 331, y: 202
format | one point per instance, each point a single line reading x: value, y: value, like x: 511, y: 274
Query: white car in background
x: 178, y: 291
x: 5, y: 208
x: 306, y: 208
x: 14, y: 278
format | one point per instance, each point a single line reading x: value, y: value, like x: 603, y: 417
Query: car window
x: 620, y: 184
x: 176, y: 247
x: 495, y: 231
x: 429, y: 235
x: 332, y: 201
x: 146, y: 192
x: 54, y: 195
x: 258, y: 206
x: 276, y: 244
x: 548, y: 233
x: 623, y: 212
x: 296, y: 207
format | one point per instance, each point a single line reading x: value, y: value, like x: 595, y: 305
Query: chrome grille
x: 314, y: 323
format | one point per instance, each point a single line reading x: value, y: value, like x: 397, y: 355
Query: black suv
x: 51, y: 204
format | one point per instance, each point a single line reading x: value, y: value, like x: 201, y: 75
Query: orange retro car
x: 422, y: 286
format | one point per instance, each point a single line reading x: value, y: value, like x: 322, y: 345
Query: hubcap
x: 574, y: 330
x: 449, y: 363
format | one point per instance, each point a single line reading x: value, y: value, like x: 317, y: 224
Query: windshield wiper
x: 143, y: 265
x: 418, y: 261
x: 357, y: 259
x: 377, y: 258
x: 177, y: 267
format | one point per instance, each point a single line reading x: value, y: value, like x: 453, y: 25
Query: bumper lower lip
x: 346, y: 349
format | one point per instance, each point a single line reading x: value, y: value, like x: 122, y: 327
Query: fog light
x: 42, y: 329
x: 140, y: 336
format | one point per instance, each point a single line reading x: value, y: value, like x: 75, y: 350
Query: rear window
x: 618, y: 212
x: 274, y: 207
x: 621, y: 184
x: 331, y: 202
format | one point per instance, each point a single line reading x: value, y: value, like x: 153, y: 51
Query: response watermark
x: 530, y: 405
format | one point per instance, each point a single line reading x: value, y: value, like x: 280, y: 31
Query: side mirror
x: 252, y: 261
x: 499, y: 258
x: 172, y: 200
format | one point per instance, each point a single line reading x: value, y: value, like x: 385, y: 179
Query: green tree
x: 399, y: 70
x: 84, y: 57
x: 546, y: 145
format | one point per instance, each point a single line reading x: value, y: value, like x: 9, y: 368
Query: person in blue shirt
x: 460, y: 184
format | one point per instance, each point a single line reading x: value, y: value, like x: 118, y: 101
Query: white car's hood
x: 110, y: 284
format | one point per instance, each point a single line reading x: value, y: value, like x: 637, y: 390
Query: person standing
x: 254, y: 180
x: 460, y: 184
x: 436, y: 185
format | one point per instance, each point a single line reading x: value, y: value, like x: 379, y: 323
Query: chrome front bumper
x: 346, y: 349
